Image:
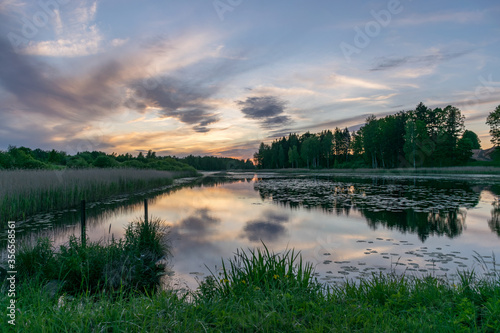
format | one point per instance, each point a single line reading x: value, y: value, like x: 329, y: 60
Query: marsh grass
x: 260, y: 270
x: 265, y: 303
x: 26, y: 192
x: 131, y: 264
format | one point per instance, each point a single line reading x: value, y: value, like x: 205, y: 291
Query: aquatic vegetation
x: 135, y: 263
x: 418, y: 207
x: 26, y: 192
x: 331, y: 193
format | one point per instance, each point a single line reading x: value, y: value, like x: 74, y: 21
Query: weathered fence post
x: 146, y: 211
x: 83, y: 234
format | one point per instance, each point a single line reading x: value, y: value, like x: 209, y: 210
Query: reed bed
x: 26, y: 192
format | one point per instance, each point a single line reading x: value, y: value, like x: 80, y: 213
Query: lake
x: 347, y: 226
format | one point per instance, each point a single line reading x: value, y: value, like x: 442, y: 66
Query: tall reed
x: 26, y: 192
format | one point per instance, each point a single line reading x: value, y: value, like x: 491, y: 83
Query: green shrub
x: 146, y: 244
x: 104, y: 161
x: 124, y: 265
x: 77, y: 163
x: 36, y: 261
x: 133, y: 164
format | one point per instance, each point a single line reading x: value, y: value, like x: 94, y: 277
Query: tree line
x: 216, y: 163
x: 26, y: 158
x: 423, y: 137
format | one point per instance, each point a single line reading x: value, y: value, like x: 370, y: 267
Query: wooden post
x: 146, y: 211
x: 83, y: 234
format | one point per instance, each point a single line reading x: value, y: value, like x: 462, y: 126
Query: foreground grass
x: 260, y: 291
x: 26, y: 192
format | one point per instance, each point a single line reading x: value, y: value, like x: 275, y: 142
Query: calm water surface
x: 346, y: 226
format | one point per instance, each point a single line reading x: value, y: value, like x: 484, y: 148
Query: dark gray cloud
x: 32, y: 87
x: 184, y: 100
x: 386, y: 63
x: 193, y: 237
x: 268, y: 228
x: 36, y: 87
x: 257, y: 231
x: 268, y: 110
x: 239, y: 150
x: 200, y: 222
x: 100, y: 86
x: 38, y: 103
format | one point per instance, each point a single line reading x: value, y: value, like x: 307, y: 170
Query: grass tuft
x: 131, y: 264
x: 262, y: 271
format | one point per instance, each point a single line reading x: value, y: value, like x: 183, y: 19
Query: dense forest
x: 26, y: 158
x: 423, y: 137
x: 216, y: 163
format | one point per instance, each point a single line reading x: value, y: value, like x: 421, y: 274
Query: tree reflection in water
x: 426, y: 208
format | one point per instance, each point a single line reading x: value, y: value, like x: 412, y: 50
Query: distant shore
x: 486, y: 170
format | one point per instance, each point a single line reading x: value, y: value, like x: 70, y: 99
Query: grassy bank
x: 26, y: 192
x: 260, y: 291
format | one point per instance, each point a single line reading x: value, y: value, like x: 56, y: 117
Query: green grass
x: 122, y: 266
x: 26, y: 192
x: 260, y: 270
x: 261, y: 291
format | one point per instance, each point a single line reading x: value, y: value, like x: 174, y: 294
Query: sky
x: 217, y: 77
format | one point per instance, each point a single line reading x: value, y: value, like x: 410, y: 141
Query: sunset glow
x: 219, y: 77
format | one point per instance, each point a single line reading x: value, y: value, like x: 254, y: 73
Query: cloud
x: 343, y: 81
x: 272, y: 90
x: 199, y: 222
x: 76, y: 33
x: 237, y: 150
x: 11, y: 6
x: 82, y: 44
x: 267, y: 228
x: 267, y: 109
x: 387, y: 63
x: 186, y: 101
x: 105, y: 86
x: 257, y: 231
x: 353, y: 123
x: 449, y: 17
x: 35, y: 87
